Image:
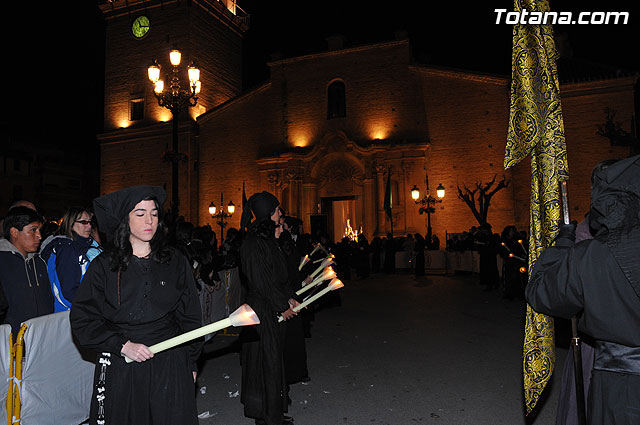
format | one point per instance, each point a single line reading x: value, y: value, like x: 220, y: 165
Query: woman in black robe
x: 135, y: 294
x: 295, y: 351
x: 264, y: 388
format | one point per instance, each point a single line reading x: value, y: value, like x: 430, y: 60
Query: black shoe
x: 288, y: 420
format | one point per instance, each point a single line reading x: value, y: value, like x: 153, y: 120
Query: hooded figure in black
x: 599, y: 280
x: 138, y: 292
x: 264, y: 388
x: 295, y: 352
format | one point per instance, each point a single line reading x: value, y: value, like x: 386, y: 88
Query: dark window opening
x: 336, y: 106
x: 137, y: 109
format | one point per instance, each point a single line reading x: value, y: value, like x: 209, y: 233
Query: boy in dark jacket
x: 25, y: 291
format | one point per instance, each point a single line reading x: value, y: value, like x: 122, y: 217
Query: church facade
x: 327, y: 131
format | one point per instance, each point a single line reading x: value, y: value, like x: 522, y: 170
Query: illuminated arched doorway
x: 339, y: 180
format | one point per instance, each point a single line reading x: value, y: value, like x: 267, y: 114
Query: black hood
x: 615, y: 195
x: 615, y: 214
x: 111, y: 208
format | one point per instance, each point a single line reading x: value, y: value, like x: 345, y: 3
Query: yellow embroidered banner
x: 536, y: 128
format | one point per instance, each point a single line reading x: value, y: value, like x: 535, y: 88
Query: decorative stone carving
x: 339, y: 177
x: 272, y: 178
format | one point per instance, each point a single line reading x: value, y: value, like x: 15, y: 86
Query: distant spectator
x: 389, y: 255
x: 49, y: 228
x: 362, y: 257
x: 408, y: 243
x: 435, y: 243
x: 488, y: 252
x: 419, y: 248
x: 376, y: 249
x: 514, y: 256
x: 25, y: 291
x: 23, y: 203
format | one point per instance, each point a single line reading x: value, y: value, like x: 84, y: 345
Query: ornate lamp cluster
x: 175, y: 98
x: 427, y: 202
x: 221, y: 215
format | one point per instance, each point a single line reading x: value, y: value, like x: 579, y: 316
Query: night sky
x: 52, y: 64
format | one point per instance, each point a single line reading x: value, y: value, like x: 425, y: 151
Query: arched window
x: 336, y: 101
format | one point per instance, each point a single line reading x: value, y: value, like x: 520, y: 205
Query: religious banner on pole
x: 536, y: 128
x: 244, y: 196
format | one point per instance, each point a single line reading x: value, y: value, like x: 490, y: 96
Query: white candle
x: 314, y: 283
x: 243, y: 316
x: 318, y: 246
x: 328, y: 273
x: 325, y: 263
x: 304, y: 261
x: 335, y: 284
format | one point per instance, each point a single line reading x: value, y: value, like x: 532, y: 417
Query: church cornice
x: 338, y: 141
x: 611, y: 85
x: 461, y: 74
x: 348, y: 50
x: 126, y: 135
x: 231, y: 102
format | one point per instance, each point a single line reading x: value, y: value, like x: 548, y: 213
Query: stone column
x: 370, y: 211
x: 309, y: 204
x: 379, y: 201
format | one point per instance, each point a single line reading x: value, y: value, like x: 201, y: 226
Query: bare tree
x: 484, y: 192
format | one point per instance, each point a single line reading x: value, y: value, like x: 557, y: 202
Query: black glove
x: 567, y: 235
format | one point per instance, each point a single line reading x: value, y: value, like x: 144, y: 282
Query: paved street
x: 399, y: 350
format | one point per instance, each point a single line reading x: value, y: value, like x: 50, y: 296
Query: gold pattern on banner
x: 536, y: 128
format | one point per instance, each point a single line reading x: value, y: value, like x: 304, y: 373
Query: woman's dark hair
x: 264, y: 228
x: 119, y: 250
x: 68, y: 219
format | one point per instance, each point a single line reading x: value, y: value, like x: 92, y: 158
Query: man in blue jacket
x: 25, y: 291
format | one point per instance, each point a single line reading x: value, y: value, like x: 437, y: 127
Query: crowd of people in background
x: 66, y: 247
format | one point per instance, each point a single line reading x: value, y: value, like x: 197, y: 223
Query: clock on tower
x: 140, y: 26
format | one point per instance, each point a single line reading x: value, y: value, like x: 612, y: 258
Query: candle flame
x: 336, y: 284
x: 244, y: 316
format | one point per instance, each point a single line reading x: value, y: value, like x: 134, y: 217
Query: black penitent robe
x: 264, y: 388
x: 154, y: 302
x: 587, y: 279
x: 295, y: 351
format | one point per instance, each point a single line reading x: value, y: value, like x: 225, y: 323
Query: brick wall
x: 449, y: 123
x: 467, y: 121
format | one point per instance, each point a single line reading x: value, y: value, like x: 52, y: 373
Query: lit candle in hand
x: 327, y: 274
x: 335, y: 284
x: 325, y: 263
x: 304, y: 261
x: 243, y: 316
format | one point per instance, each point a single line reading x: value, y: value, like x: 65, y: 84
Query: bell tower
x: 136, y: 146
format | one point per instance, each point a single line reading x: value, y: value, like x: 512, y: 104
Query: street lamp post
x: 221, y: 215
x: 427, y: 202
x: 175, y: 99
